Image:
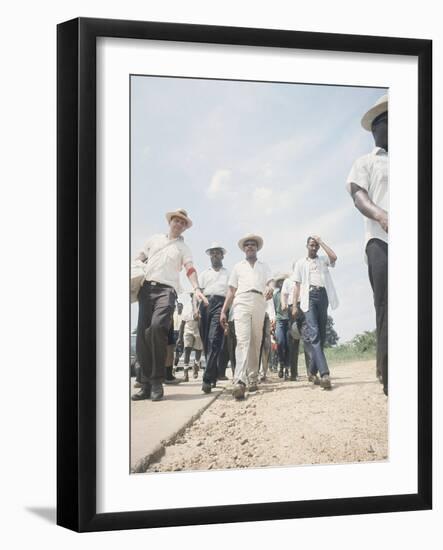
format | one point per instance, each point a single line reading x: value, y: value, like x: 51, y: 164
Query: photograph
x: 258, y: 291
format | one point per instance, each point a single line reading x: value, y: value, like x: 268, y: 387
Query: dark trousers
x: 281, y: 336
x: 212, y: 336
x: 377, y: 252
x: 293, y: 347
x: 155, y: 309
x: 314, y: 330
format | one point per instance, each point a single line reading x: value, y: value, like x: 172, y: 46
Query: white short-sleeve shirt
x: 370, y: 172
x: 245, y: 277
x: 214, y: 282
x: 302, y: 275
x: 288, y: 290
x: 165, y: 259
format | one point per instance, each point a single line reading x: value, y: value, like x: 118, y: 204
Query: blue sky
x: 243, y: 157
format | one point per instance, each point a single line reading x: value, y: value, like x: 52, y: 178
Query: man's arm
x: 227, y: 304
x: 331, y: 254
x: 296, y: 299
x: 191, y: 273
x: 364, y: 204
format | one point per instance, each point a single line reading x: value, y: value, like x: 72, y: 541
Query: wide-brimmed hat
x: 214, y: 245
x: 280, y: 276
x: 380, y: 106
x: 179, y: 213
x: 251, y: 237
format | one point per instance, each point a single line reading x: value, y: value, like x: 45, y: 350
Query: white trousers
x: 249, y: 314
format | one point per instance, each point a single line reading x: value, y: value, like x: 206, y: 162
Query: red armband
x: 190, y: 271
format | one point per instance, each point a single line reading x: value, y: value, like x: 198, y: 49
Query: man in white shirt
x: 314, y: 287
x: 214, y: 284
x: 249, y: 288
x: 367, y: 184
x: 163, y: 256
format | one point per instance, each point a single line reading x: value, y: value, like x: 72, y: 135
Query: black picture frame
x: 76, y: 280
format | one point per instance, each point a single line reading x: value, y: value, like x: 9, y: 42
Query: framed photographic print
x: 226, y: 201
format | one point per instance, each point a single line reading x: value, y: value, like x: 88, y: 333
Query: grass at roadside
x: 343, y: 354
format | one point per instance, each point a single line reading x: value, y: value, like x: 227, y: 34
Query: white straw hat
x: 215, y: 244
x: 379, y: 107
x: 251, y: 237
x: 179, y: 213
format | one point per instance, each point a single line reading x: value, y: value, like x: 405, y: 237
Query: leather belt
x: 209, y: 296
x: 159, y: 285
x: 255, y: 291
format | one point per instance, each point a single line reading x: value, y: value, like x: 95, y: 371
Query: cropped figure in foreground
x: 367, y: 184
x: 163, y: 256
x: 315, y: 290
x: 249, y: 288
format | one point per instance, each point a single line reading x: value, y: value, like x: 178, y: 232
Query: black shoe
x: 325, y: 382
x: 239, y: 391
x: 314, y: 379
x: 144, y: 393
x: 280, y: 373
x: 157, y: 392
x: 206, y: 388
x: 173, y: 380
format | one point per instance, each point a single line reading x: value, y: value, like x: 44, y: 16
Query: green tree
x: 367, y: 341
x: 332, y: 337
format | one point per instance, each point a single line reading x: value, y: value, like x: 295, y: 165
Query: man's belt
x: 210, y: 296
x: 157, y: 285
x: 313, y: 287
x: 255, y: 291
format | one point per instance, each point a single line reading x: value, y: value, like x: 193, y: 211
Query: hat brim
x: 372, y: 114
x: 208, y: 250
x: 170, y: 215
x: 256, y: 238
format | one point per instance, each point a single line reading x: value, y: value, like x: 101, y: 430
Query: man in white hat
x: 214, y: 284
x: 367, y: 184
x: 249, y: 288
x: 163, y: 256
x: 315, y: 291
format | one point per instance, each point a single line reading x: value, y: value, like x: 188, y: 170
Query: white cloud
x: 220, y: 184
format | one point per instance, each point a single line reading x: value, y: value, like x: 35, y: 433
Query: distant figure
x: 214, y: 283
x: 368, y: 185
x: 249, y: 288
x: 163, y: 257
x: 177, y: 324
x: 190, y: 338
x: 281, y: 328
x: 314, y: 287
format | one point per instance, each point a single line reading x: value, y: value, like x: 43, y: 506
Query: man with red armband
x: 164, y: 256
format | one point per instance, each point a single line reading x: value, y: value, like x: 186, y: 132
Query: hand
x: 200, y: 296
x: 284, y: 307
x: 268, y: 293
x: 295, y: 311
x: 317, y: 238
x: 223, y: 320
x: 383, y: 220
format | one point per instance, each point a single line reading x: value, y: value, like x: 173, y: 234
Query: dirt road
x: 288, y: 423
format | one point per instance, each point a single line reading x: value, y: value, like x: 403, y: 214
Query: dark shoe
x: 325, y: 382
x: 252, y: 387
x: 173, y: 381
x: 144, y: 393
x: 206, y: 388
x: 239, y: 391
x: 280, y: 373
x: 185, y: 375
x: 157, y: 392
x: 314, y: 379
x: 293, y: 378
x: 195, y: 373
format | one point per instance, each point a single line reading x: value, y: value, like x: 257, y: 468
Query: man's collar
x: 179, y: 238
